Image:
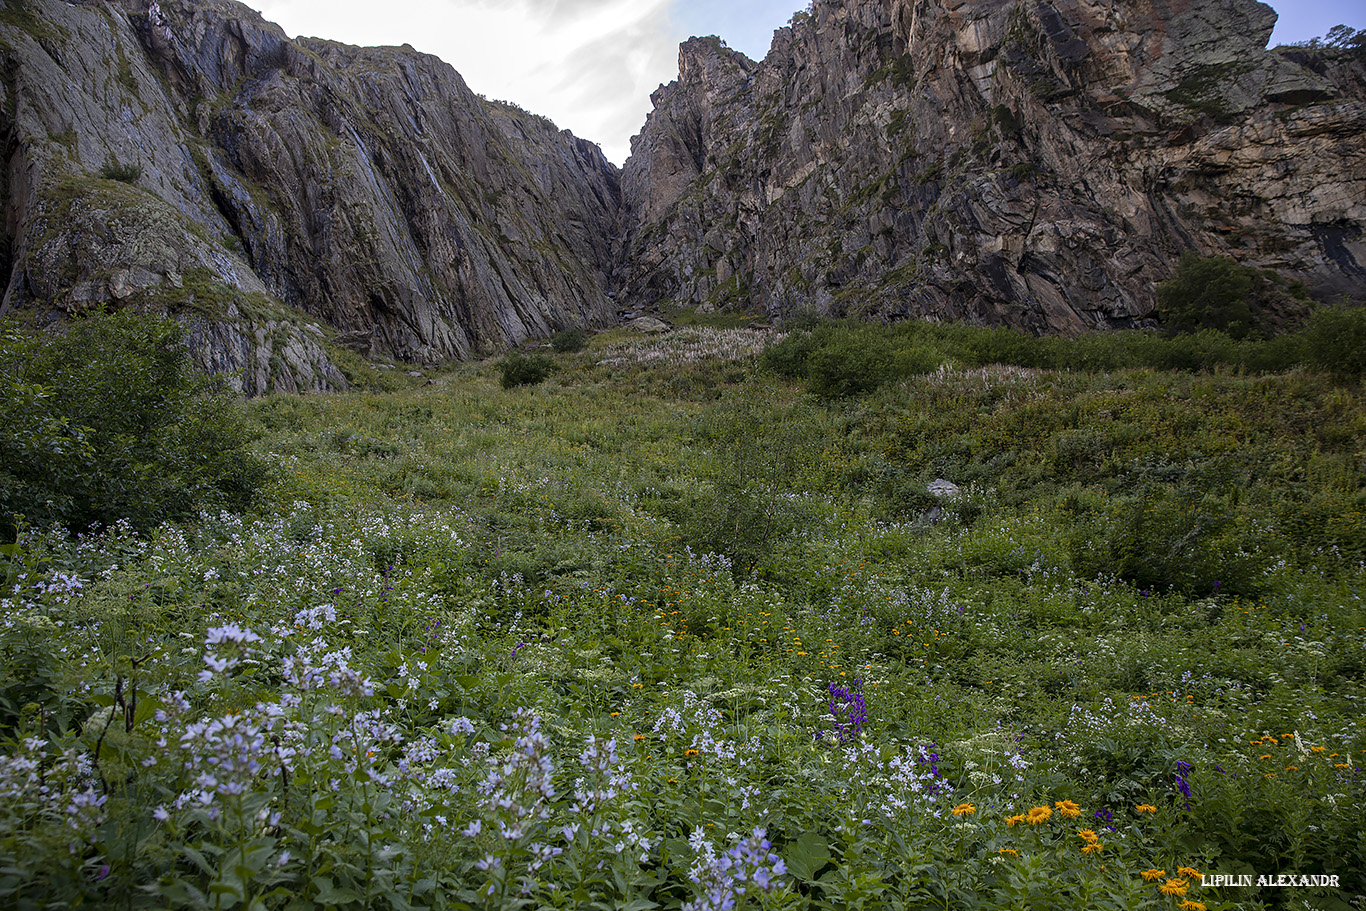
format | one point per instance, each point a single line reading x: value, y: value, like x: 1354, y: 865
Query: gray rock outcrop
x: 184, y: 155
x: 1034, y: 163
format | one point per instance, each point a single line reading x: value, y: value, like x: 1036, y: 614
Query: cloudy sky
x: 590, y: 65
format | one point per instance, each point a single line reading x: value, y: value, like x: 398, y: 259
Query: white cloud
x: 588, y: 65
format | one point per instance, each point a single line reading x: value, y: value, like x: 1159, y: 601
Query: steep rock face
x: 1035, y: 163
x: 186, y: 155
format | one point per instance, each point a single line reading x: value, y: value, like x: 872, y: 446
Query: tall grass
x: 669, y: 631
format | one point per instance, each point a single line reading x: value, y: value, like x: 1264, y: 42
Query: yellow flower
x: 1087, y: 835
x: 1316, y: 749
x: 690, y: 752
x: 1146, y: 808
x: 639, y: 737
x: 1189, y: 905
x: 1174, y: 887
x: 1093, y: 848
x: 1188, y: 872
x: 1266, y: 756
x: 1152, y: 876
x: 1012, y: 820
x: 964, y: 809
x: 1068, y: 809
x: 1038, y: 815
x: 1011, y: 851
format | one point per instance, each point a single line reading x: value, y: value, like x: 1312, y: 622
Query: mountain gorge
x: 1017, y: 162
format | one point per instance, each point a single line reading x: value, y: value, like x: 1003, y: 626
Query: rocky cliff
x: 281, y: 197
x: 1035, y: 163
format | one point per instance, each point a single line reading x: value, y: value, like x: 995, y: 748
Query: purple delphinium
x: 849, y: 711
x: 928, y: 758
x: 1182, y: 770
x: 1107, y: 819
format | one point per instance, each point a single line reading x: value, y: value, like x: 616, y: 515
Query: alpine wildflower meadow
x: 668, y: 630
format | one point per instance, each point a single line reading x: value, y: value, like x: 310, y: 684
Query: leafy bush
x: 743, y: 512
x: 575, y: 338
x: 839, y: 361
x: 516, y: 370
x: 1335, y: 340
x: 1218, y: 293
x: 123, y: 173
x: 854, y: 365
x: 111, y: 421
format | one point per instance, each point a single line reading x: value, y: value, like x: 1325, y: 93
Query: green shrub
x: 856, y: 363
x: 123, y: 173
x: 1335, y: 340
x: 1173, y: 537
x: 791, y: 357
x: 843, y: 360
x: 1216, y: 292
x: 517, y: 370
x: 575, y: 338
x: 111, y: 421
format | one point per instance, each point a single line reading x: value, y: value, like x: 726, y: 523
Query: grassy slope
x: 1151, y: 581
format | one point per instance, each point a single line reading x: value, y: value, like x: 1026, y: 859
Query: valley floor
x: 665, y: 631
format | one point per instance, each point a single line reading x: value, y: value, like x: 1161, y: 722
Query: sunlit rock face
x: 188, y: 156
x: 1020, y: 162
x: 1034, y: 163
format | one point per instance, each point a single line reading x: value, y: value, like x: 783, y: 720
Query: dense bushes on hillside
x: 1216, y: 292
x: 841, y: 359
x: 111, y: 421
x: 517, y: 370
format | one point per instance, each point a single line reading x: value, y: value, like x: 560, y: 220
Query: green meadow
x: 683, y: 625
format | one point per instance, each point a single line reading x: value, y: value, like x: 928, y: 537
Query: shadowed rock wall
x: 1035, y: 163
x: 188, y: 156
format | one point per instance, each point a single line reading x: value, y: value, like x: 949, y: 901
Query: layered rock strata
x: 1033, y: 163
x: 185, y: 155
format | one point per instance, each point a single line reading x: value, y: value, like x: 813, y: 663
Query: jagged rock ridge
x: 187, y: 155
x: 1035, y: 163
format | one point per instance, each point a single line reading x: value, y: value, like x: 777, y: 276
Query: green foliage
x: 839, y: 361
x: 474, y: 640
x: 1004, y: 118
x: 1335, y: 341
x: 1341, y: 38
x: 110, y: 421
x: 123, y: 173
x: 518, y: 370
x: 742, y: 513
x: 1211, y: 293
x: 569, y: 340
x: 853, y: 365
